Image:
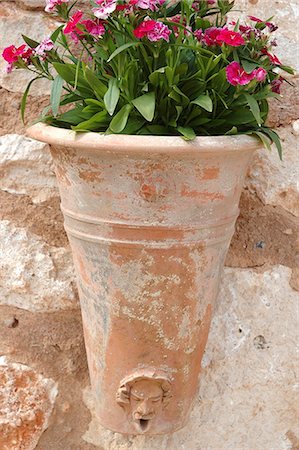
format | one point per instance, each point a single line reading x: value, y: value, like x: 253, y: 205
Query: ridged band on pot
x: 149, y: 221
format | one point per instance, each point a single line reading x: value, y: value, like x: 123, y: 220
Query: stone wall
x: 248, y: 398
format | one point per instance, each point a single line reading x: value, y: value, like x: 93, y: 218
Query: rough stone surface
x: 26, y: 168
x: 248, y: 377
x: 27, y: 400
x: 264, y: 236
x: 34, y: 275
x: 283, y: 111
x: 10, y: 105
x: 44, y: 219
x: 33, y: 24
x: 276, y: 182
x: 34, y: 5
x: 52, y: 344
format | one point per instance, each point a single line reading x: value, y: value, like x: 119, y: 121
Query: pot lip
x: 63, y: 137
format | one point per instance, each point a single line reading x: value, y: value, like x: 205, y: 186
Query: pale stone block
x: 33, y: 275
x: 26, y: 168
x: 277, y: 182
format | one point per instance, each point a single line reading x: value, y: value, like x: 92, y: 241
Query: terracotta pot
x: 149, y: 220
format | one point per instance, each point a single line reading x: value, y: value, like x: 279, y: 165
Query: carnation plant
x: 155, y: 67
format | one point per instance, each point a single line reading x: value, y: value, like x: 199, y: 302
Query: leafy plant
x: 155, y: 67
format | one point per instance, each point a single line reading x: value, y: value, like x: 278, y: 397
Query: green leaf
x: 74, y: 116
x: 121, y: 49
x: 133, y: 126
x: 55, y: 34
x: 56, y: 94
x: 187, y: 132
x: 204, y: 101
x: 24, y: 98
x: 99, y: 120
x: 254, y: 108
x: 146, y: 105
x: 248, y: 66
x: 112, y: 96
x: 264, y: 138
x: 275, y: 138
x: 119, y: 121
x: 232, y: 131
x: 287, y: 69
x: 98, y: 87
x: 30, y: 42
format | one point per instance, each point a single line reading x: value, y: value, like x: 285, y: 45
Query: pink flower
x: 276, y: 85
x: 51, y: 4
x: 71, y: 26
x: 95, y: 28
x: 210, y: 36
x: 12, y: 53
x: 45, y: 46
x: 106, y: 8
x: 153, y: 5
x: 229, y: 37
x: 153, y: 30
x: 236, y: 75
x: 260, y: 74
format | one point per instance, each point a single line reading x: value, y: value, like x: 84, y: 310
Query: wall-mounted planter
x: 149, y: 220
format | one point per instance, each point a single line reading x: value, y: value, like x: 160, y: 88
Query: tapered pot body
x: 149, y: 220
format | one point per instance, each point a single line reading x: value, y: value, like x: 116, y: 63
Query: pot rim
x: 123, y: 143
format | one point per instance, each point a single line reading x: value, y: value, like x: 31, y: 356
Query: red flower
x: 255, y: 19
x: 153, y: 30
x: 210, y: 36
x: 276, y: 85
x: 71, y: 26
x: 94, y: 27
x: 236, y: 75
x: 231, y: 38
x: 144, y: 28
x: 12, y: 53
x: 273, y: 58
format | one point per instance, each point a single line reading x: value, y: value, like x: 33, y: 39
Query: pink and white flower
x: 236, y: 75
x: 45, y: 46
x: 51, y: 4
x: 153, y: 30
x: 106, y: 7
x: 153, y: 5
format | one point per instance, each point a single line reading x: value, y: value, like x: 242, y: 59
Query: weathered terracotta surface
x: 149, y: 220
